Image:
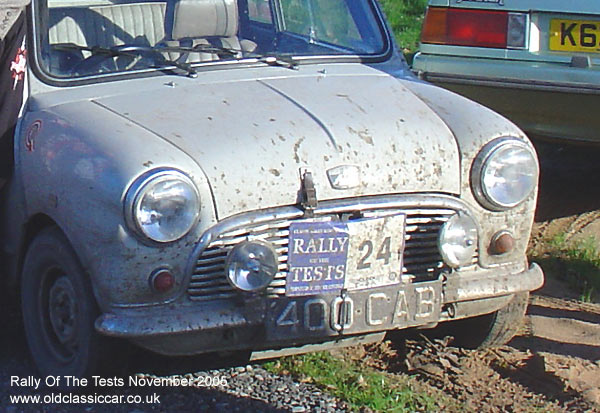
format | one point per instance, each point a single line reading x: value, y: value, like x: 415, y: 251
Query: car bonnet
x: 252, y: 137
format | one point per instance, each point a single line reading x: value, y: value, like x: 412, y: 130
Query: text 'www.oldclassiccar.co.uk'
x: 98, y: 382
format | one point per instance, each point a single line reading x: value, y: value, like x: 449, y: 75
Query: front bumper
x: 227, y: 325
x: 548, y: 99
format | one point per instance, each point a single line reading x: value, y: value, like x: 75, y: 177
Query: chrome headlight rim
x: 136, y: 191
x: 481, y: 161
x: 468, y: 224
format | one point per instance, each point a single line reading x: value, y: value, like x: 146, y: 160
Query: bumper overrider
x: 212, y: 315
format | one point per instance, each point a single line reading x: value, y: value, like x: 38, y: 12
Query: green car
x: 536, y: 62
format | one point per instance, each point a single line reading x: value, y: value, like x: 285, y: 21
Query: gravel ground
x: 248, y: 388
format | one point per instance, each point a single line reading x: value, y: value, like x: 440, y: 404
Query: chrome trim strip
x: 590, y: 89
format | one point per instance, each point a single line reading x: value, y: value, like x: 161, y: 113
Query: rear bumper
x: 227, y: 325
x: 548, y: 99
x: 507, y: 73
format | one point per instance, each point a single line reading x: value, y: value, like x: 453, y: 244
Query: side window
x: 296, y: 16
x: 326, y: 20
x: 260, y: 11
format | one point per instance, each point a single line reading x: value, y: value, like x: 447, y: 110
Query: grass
x: 406, y: 18
x: 357, y: 385
x: 576, y: 262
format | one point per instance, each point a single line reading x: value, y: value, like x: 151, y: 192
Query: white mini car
x: 260, y: 176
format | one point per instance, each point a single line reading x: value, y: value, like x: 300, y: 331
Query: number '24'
x: 384, y: 253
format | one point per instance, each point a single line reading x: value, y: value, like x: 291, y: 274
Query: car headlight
x: 457, y: 241
x: 251, y: 265
x: 504, y: 173
x: 163, y: 206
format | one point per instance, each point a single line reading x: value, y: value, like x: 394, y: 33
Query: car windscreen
x: 79, y: 38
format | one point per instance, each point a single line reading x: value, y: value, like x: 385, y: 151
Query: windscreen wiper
x: 133, y: 51
x: 269, y: 59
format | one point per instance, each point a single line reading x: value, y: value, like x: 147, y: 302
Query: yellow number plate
x: 575, y: 35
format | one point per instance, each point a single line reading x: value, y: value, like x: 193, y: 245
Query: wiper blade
x: 271, y: 60
x: 132, y: 51
x: 209, y: 48
x: 91, y: 49
x: 157, y: 52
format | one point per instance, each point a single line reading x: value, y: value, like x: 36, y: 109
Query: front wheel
x: 489, y: 330
x: 59, y: 309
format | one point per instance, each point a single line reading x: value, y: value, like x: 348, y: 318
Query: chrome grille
x: 422, y: 260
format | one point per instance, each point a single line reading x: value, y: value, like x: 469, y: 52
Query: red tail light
x: 466, y: 27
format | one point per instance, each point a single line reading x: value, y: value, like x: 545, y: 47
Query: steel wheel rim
x: 59, y: 315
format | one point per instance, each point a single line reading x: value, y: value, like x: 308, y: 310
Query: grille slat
x: 203, y: 269
x: 420, y: 244
x: 421, y: 260
x: 215, y: 289
x: 200, y: 284
x: 216, y: 259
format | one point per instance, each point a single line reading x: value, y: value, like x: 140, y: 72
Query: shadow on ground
x: 568, y: 178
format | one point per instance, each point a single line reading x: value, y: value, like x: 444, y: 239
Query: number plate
x: 326, y: 257
x: 574, y: 35
x: 376, y: 309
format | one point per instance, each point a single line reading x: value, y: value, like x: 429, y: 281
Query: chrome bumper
x: 221, y: 316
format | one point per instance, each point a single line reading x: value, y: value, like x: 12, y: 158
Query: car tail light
x: 469, y: 27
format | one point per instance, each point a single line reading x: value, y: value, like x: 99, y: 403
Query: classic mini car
x: 535, y: 62
x: 261, y: 176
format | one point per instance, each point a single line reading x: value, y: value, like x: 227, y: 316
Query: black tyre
x: 489, y: 330
x: 59, y: 309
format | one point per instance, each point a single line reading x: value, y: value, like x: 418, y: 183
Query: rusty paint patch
x: 32, y: 132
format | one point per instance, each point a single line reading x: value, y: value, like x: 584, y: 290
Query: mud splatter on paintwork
x: 362, y: 134
x: 297, y: 148
x: 349, y: 99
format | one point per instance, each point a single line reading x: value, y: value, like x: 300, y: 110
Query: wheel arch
x: 34, y: 225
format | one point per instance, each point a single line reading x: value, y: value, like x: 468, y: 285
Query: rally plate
x: 331, y: 256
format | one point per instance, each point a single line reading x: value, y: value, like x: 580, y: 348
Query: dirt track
x: 552, y: 365
x: 554, y: 362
